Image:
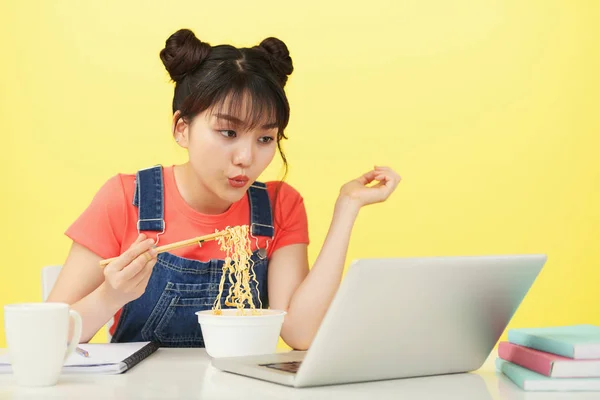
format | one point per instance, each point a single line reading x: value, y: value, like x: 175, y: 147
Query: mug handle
x: 76, y: 333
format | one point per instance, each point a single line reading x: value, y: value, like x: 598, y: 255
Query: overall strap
x: 261, y: 219
x: 148, y: 197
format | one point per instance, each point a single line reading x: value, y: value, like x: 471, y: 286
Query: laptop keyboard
x: 288, y: 366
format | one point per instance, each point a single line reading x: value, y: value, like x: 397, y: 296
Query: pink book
x: 548, y: 364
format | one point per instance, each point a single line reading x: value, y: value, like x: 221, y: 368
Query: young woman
x: 230, y: 112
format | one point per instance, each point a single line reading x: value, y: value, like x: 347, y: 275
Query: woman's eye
x: 228, y: 133
x: 266, y: 139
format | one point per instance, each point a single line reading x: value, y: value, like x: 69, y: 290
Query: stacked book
x: 561, y: 358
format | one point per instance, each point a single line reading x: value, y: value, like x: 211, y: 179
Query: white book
x: 104, y: 358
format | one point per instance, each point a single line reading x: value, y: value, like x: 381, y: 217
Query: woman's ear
x: 180, y: 130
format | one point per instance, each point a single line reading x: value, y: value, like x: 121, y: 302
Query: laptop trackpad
x: 286, y: 362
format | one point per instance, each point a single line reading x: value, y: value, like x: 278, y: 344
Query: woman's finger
x: 388, y: 169
x: 137, y: 265
x: 367, y: 177
x: 134, y: 251
x: 144, y: 275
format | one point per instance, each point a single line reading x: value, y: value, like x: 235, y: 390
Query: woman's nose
x: 243, y: 155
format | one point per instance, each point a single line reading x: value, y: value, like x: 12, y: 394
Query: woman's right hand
x: 126, y: 278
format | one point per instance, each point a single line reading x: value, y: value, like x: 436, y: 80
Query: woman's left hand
x: 357, y: 189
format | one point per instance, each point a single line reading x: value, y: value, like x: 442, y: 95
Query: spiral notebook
x: 103, y: 358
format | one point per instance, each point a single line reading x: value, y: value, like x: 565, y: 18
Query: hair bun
x: 279, y: 57
x: 183, y: 53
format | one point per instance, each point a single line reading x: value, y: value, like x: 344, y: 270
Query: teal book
x: 572, y: 341
x: 532, y: 381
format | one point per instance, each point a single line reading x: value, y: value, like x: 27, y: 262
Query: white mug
x: 36, y: 337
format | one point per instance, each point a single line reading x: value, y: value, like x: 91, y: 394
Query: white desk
x: 187, y: 374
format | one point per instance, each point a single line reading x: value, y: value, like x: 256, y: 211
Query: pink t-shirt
x: 108, y: 226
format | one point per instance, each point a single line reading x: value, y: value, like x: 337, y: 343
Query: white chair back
x: 49, y: 275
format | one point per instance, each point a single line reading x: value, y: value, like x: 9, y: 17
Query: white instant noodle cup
x: 232, y: 334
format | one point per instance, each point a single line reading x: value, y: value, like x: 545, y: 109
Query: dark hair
x: 223, y: 76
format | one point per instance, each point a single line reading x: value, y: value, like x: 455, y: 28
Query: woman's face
x: 225, y: 155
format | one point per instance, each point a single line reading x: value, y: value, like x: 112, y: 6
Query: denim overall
x: 178, y: 287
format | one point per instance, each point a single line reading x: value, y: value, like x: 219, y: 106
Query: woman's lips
x: 238, y: 181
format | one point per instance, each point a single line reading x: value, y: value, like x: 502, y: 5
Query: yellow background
x: 488, y: 109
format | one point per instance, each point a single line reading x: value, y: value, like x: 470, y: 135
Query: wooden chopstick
x: 176, y: 245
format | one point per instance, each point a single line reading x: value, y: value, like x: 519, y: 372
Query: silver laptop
x: 404, y: 317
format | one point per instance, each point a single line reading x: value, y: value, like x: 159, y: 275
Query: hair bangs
x: 253, y: 103
x: 249, y: 100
